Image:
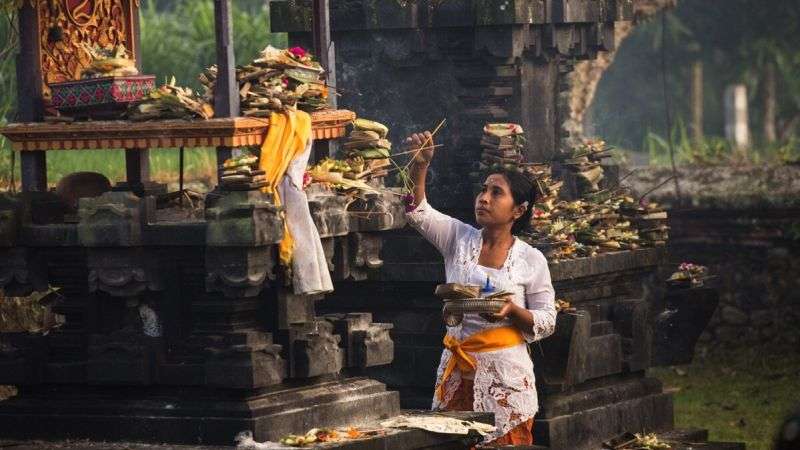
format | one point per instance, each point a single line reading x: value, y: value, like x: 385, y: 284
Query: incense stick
x: 416, y: 150
x: 651, y: 190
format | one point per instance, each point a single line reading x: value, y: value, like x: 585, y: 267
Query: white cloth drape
x: 309, y: 268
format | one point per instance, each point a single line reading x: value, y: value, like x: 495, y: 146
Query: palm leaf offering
x: 689, y: 275
x: 457, y: 291
x: 171, y: 102
x: 31, y: 314
x: 109, y: 62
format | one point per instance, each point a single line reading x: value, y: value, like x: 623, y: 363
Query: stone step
x: 617, y: 390
x: 405, y: 438
x: 685, y: 435
x: 585, y: 429
x: 606, y: 356
x: 602, y: 327
x: 185, y: 416
x: 712, y: 445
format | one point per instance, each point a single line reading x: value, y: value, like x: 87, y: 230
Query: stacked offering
x: 171, y: 102
x: 584, y: 227
x: 502, y: 145
x: 364, y: 164
x: 584, y: 162
x: 367, y: 150
x: 546, y: 188
x: 277, y: 80
x: 242, y: 174
x: 601, y: 225
x: 650, y: 219
x: 599, y: 221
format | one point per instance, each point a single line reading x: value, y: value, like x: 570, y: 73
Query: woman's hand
x: 422, y: 159
x: 505, y: 311
x: 415, y: 142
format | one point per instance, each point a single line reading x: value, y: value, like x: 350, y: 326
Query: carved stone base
x: 189, y: 416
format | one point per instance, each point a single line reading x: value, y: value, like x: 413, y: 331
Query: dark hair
x: 522, y: 190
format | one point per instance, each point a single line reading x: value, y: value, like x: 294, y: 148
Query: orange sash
x: 483, y: 341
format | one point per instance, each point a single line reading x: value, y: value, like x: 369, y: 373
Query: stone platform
x: 406, y: 439
x: 178, y: 326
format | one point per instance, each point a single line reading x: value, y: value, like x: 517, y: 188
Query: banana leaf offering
x: 171, y: 102
x: 367, y: 143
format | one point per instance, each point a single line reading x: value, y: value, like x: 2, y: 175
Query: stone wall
x: 470, y: 62
x: 744, y: 224
x: 753, y: 253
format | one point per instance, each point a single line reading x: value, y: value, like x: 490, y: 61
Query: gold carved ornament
x: 66, y: 25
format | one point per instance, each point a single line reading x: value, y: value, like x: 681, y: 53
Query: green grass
x: 199, y: 164
x: 738, y: 396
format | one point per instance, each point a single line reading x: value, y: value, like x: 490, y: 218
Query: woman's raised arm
x: 439, y: 229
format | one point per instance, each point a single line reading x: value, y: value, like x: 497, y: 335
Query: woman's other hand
x: 504, y: 312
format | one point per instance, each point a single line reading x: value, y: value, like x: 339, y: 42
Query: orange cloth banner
x: 286, y: 138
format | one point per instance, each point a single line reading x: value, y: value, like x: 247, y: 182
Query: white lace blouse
x: 504, y: 380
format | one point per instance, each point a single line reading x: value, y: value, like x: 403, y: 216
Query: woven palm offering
x: 464, y: 299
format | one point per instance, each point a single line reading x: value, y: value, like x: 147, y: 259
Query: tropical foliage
x: 734, y: 39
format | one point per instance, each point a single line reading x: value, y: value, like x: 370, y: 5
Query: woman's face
x: 494, y: 205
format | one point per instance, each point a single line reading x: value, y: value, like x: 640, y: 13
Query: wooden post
x: 226, y: 92
x: 137, y: 169
x: 737, y: 129
x: 137, y: 160
x: 697, y: 101
x: 770, y: 135
x: 323, y: 47
x: 135, y: 39
x: 324, y: 50
x: 29, y: 96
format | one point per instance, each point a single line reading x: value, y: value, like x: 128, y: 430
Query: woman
x: 486, y: 365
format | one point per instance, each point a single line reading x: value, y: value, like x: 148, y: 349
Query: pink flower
x: 686, y: 267
x: 306, y: 179
x: 408, y: 200
x: 537, y: 212
x: 298, y: 52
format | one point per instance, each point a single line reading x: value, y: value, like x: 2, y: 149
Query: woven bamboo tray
x: 454, y: 310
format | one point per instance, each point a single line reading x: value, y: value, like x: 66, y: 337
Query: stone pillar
x: 769, y: 84
x: 737, y: 129
x: 697, y: 101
